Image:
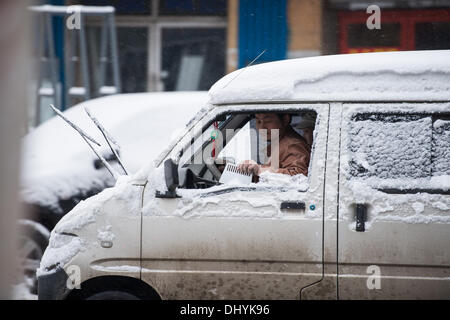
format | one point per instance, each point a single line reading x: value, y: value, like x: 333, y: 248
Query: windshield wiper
x: 89, y: 140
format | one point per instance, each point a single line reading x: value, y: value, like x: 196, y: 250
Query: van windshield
x: 177, y: 137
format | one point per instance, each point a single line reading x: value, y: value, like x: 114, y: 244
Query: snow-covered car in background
x: 59, y: 168
x: 370, y: 221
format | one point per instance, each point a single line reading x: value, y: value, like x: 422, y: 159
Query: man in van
x: 305, y: 126
x: 293, y: 150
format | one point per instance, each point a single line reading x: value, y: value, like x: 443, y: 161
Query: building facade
x: 171, y: 45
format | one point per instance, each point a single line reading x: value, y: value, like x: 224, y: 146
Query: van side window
x: 238, y: 138
x: 440, y: 153
x: 387, y: 146
x: 390, y: 146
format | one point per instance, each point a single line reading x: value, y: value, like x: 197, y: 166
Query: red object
x: 213, y: 152
x: 406, y: 18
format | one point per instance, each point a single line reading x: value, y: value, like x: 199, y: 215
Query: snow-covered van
x: 371, y: 220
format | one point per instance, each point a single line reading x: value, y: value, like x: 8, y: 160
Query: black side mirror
x: 171, y: 174
x: 172, y: 180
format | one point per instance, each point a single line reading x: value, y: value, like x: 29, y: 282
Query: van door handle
x: 286, y: 205
x: 361, y: 215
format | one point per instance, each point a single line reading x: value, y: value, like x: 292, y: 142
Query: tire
x: 32, y: 241
x: 112, y: 295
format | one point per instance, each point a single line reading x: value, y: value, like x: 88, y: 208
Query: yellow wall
x: 305, y: 26
x: 232, y: 35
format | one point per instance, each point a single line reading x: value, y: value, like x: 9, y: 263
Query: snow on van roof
x: 384, y: 76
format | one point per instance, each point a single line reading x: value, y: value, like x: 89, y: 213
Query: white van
x: 370, y: 221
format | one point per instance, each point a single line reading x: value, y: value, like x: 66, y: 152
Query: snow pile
x: 270, y: 179
x: 156, y: 179
x: 399, y: 76
x: 418, y: 207
x: 155, y: 183
x: 84, y: 213
x: 61, y: 249
x: 105, y: 234
x: 58, y: 164
x: 237, y: 204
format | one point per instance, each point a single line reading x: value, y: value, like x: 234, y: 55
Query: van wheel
x: 114, y: 288
x: 113, y: 295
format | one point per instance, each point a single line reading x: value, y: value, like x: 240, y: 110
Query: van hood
x: 71, y: 234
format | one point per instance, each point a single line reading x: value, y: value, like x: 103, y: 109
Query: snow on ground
x: 59, y: 164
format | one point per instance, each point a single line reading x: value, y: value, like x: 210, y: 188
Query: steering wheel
x: 212, y: 167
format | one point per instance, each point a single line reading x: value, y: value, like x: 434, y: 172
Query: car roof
x: 384, y: 76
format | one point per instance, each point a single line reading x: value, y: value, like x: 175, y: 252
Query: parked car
x: 60, y: 170
x: 370, y: 221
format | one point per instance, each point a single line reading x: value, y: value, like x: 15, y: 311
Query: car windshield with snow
x: 359, y: 210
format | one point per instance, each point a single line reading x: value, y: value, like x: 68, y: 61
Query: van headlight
x: 58, y: 240
x: 61, y: 249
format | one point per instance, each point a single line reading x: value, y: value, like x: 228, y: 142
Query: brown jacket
x: 294, y: 154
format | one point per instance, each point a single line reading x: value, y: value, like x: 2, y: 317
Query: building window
x: 158, y: 52
x: 400, y: 30
x: 132, y: 43
x: 359, y: 36
x: 193, y: 7
x: 432, y: 35
x: 124, y: 7
x: 133, y: 58
x: 192, y: 59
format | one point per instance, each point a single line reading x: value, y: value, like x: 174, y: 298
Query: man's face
x: 270, y: 121
x: 308, y: 134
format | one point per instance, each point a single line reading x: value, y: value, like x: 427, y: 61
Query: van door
x: 263, y: 241
x: 394, y: 202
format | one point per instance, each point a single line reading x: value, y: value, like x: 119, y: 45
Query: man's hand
x: 250, y: 166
